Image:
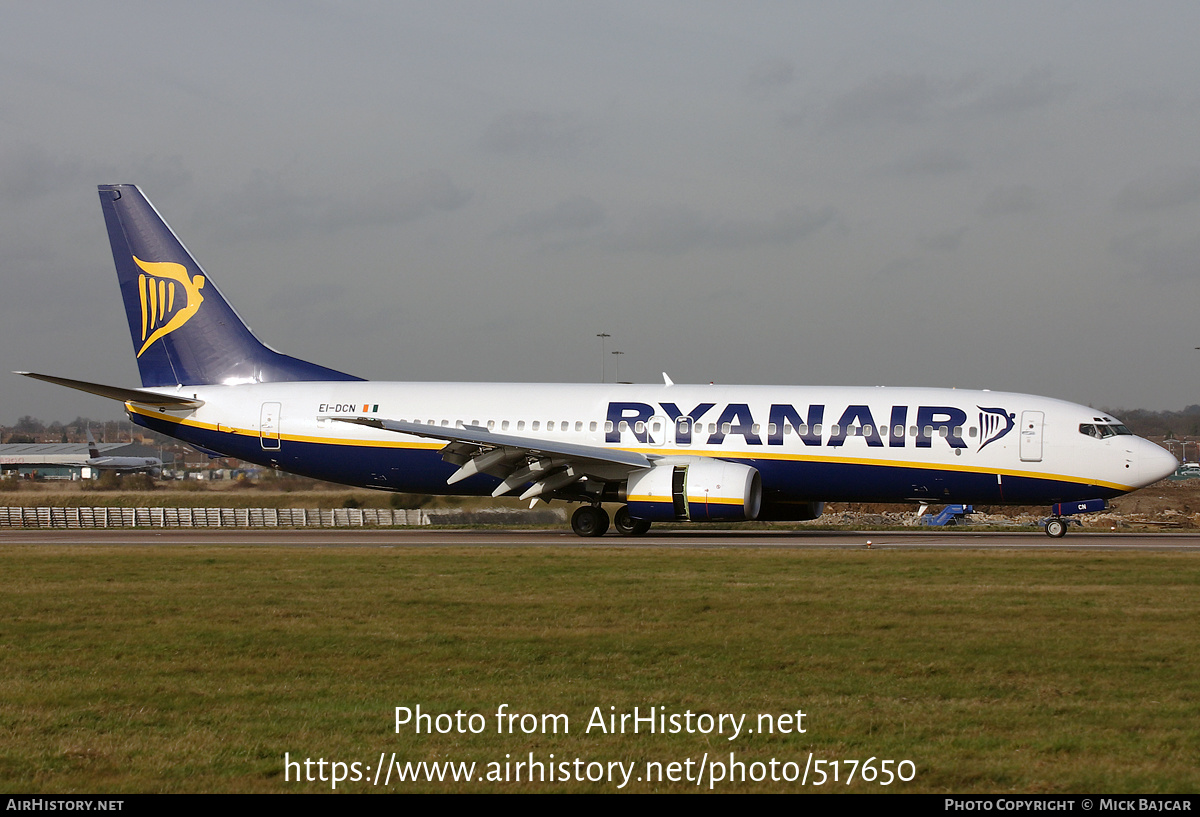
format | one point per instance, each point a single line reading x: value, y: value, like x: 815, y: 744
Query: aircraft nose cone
x: 1155, y: 462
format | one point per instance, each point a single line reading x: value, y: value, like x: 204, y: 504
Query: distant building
x: 66, y: 460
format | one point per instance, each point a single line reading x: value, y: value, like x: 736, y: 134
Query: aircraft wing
x: 550, y: 465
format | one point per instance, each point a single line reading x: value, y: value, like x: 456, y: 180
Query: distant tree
x: 30, y: 425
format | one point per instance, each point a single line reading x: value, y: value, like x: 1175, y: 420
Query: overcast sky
x: 981, y: 195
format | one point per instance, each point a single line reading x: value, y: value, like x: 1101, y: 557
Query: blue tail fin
x: 183, y: 331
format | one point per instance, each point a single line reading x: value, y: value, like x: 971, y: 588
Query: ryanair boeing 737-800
x: 663, y: 452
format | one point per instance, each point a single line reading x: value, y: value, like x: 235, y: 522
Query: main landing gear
x: 592, y: 520
x: 628, y: 526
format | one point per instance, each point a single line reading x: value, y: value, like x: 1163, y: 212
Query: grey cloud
x: 931, y: 162
x: 888, y: 99
x: 534, y: 133
x: 28, y: 171
x: 772, y: 74
x: 670, y: 230
x: 944, y: 241
x: 1165, y: 187
x: 1003, y: 201
x: 1035, y: 90
x: 572, y: 215
x: 1157, y: 258
x: 907, y: 99
x: 267, y: 208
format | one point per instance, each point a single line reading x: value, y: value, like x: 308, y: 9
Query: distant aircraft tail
x: 183, y: 330
x: 93, y: 450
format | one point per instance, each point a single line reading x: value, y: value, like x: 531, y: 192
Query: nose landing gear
x: 1056, y: 525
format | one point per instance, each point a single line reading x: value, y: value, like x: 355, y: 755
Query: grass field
x: 188, y: 669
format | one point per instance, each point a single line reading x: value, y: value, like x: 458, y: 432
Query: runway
x: 418, y: 538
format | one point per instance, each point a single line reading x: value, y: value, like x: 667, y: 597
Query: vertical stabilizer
x: 183, y: 330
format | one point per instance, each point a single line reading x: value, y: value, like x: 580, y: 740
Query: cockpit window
x: 1102, y: 430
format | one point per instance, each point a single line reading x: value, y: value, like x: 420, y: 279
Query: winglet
x: 667, y: 381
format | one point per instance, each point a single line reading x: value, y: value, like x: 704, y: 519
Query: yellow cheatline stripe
x: 929, y: 466
x: 715, y: 500
x: 253, y: 432
x: 692, y: 500
x: 735, y: 455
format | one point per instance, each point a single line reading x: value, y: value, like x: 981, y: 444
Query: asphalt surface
x: 371, y: 538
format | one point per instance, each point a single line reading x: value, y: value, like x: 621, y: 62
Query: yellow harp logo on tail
x: 163, y: 285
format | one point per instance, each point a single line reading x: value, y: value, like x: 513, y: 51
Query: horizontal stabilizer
x: 145, y: 398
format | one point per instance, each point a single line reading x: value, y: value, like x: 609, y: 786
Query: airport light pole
x: 616, y: 360
x: 602, y: 337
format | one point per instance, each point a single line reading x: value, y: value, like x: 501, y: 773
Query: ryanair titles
x: 948, y: 423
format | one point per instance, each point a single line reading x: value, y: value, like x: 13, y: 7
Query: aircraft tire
x: 1056, y: 528
x: 589, y: 521
x: 626, y: 525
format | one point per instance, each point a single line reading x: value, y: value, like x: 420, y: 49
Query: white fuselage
x: 809, y: 443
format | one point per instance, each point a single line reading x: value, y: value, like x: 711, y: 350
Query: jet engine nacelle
x: 695, y: 489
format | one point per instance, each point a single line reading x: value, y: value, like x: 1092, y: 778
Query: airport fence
x: 216, y: 517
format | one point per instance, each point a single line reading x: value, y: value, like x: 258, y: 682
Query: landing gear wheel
x: 589, y: 521
x: 1056, y: 528
x: 628, y: 526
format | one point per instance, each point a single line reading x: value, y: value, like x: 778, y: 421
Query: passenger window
x: 725, y: 428
x: 579, y: 425
x: 520, y: 425
x: 898, y: 431
x: 803, y: 431
x: 868, y: 431
x: 550, y: 425
x: 624, y: 426
x: 771, y: 429
x: 536, y: 425
x: 608, y: 426
x: 639, y: 427
x: 592, y: 426
x: 504, y: 425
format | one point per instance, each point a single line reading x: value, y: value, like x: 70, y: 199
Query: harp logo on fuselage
x: 169, y: 299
